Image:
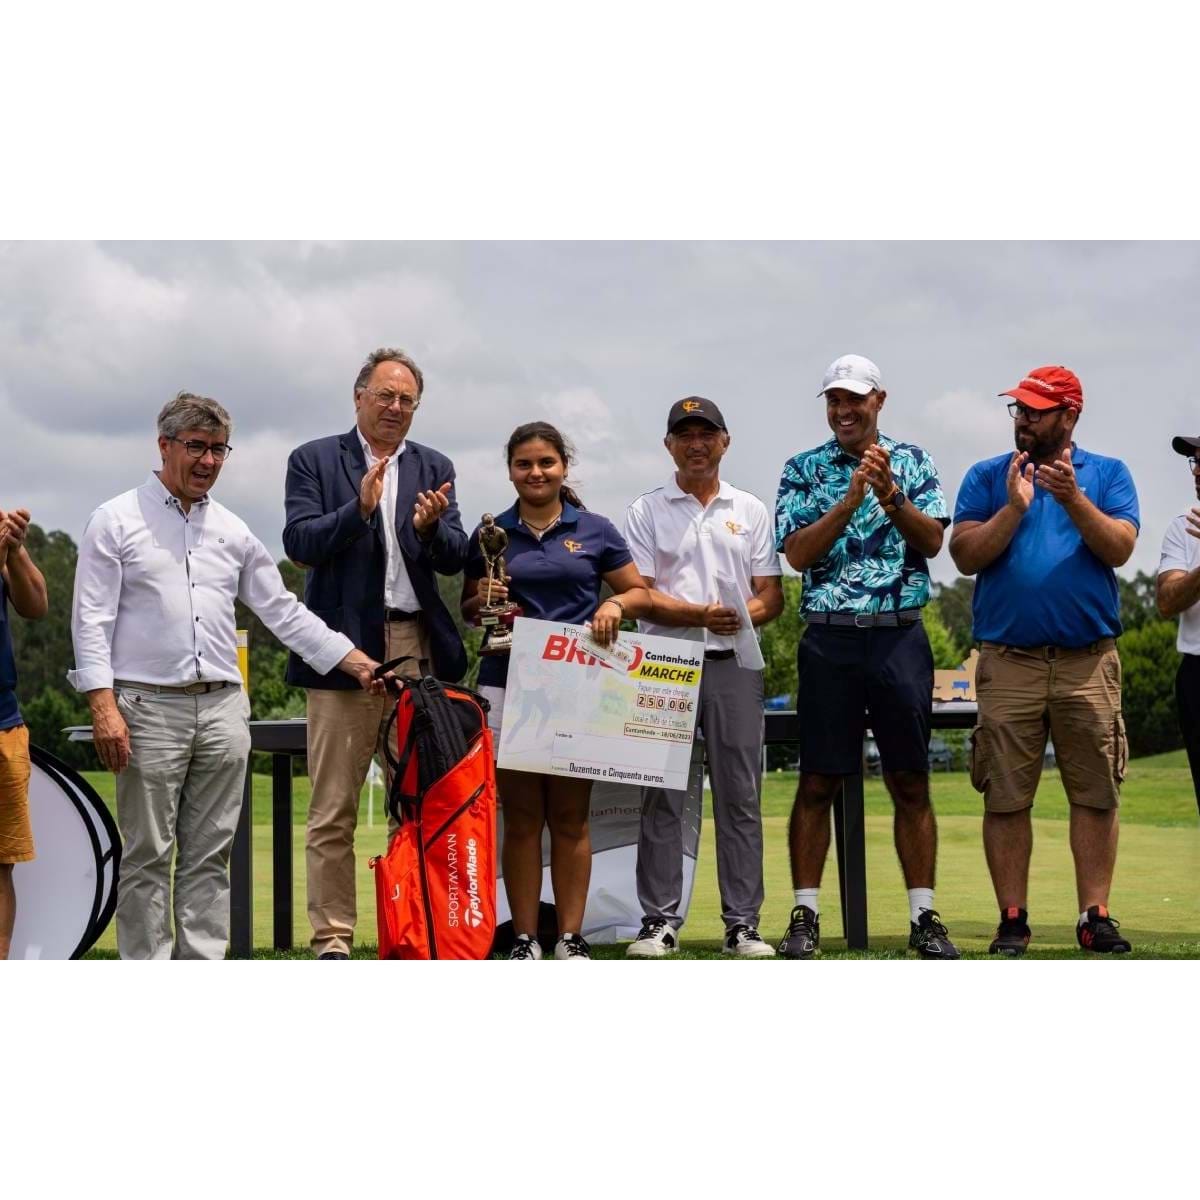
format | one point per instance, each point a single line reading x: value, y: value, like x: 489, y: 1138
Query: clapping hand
x: 370, y: 491
x: 1058, y: 478
x: 1193, y: 523
x: 857, y: 492
x: 1020, y: 482
x: 429, y: 508
x: 877, y: 464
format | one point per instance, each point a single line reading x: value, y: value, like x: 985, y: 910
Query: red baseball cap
x: 1049, y: 387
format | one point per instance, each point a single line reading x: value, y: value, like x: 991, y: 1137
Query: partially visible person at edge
x: 156, y: 653
x: 685, y: 536
x: 1044, y: 529
x: 1179, y: 596
x: 22, y: 585
x: 557, y: 557
x: 859, y: 516
x: 374, y: 518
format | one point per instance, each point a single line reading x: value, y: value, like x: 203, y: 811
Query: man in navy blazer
x: 372, y: 516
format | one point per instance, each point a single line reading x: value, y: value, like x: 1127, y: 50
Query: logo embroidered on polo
x: 734, y: 527
x: 690, y: 405
x: 573, y: 546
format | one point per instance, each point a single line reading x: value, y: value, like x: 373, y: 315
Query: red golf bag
x: 435, y: 888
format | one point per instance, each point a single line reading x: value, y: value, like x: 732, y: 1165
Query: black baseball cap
x: 695, y: 408
x: 1185, y: 445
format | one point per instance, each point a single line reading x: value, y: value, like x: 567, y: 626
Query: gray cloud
x: 599, y: 337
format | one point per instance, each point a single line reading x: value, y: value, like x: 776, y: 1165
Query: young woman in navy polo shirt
x: 558, y: 554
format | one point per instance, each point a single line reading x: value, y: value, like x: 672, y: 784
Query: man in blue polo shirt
x: 1044, y: 529
x: 860, y: 515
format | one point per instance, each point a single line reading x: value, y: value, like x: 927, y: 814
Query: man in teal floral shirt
x: 860, y: 516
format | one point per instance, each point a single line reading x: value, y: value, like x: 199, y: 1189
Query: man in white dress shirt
x: 703, y: 547
x: 1179, y: 595
x: 156, y: 654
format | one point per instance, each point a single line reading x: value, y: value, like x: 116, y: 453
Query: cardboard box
x: 958, y: 684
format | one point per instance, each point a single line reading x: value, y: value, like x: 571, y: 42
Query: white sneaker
x: 571, y: 947
x: 655, y: 940
x: 746, y: 942
x: 525, y: 947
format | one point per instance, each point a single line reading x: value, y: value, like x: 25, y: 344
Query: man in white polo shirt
x: 706, y: 550
x: 1179, y: 595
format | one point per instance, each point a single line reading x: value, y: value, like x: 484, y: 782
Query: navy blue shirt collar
x: 510, y: 518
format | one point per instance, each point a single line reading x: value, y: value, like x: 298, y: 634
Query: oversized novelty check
x: 622, y: 714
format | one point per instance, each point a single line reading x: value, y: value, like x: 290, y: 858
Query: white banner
x: 626, y: 714
x: 613, y: 913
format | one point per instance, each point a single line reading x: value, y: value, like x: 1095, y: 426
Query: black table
x: 286, y: 740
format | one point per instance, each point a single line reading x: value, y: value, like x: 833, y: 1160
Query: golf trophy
x: 496, y: 618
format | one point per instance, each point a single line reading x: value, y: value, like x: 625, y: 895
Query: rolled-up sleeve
x: 98, y: 575
x: 262, y: 590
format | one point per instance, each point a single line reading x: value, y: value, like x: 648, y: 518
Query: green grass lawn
x: 1156, y: 892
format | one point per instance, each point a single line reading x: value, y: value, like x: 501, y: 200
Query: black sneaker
x: 1099, y: 933
x: 930, y: 938
x: 1013, y: 934
x: 803, y: 937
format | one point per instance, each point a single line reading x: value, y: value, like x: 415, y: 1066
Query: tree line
x: 44, y: 653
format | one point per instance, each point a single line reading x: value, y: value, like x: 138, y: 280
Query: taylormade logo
x: 473, y: 915
x: 475, y: 909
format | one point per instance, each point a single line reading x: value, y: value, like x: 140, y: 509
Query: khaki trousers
x: 179, y: 799
x: 344, y: 731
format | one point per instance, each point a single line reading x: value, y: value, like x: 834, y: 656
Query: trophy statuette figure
x: 496, y: 617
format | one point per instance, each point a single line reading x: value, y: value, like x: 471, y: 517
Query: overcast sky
x: 598, y: 337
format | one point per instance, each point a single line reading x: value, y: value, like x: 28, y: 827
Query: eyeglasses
x: 219, y: 450
x: 387, y: 399
x: 1032, y: 415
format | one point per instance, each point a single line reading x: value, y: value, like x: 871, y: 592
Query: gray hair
x: 387, y: 354
x: 188, y: 411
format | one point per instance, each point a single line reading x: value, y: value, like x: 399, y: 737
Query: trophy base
x: 496, y: 620
x: 496, y: 641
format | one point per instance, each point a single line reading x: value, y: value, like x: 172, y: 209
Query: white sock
x: 807, y: 897
x: 1083, y: 918
x: 919, y: 898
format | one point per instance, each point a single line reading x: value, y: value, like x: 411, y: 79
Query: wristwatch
x: 895, y: 501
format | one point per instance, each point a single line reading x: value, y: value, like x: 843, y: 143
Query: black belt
x: 398, y: 614
x: 906, y: 616
x: 718, y: 655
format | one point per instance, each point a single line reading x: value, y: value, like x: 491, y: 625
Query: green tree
x: 1148, y: 663
x: 954, y: 607
x: 1137, y: 596
x: 947, y: 653
x: 43, y: 648
x: 779, y: 641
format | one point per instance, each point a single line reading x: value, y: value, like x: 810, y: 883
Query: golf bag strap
x: 393, y: 685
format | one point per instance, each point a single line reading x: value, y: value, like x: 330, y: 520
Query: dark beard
x: 1041, y: 447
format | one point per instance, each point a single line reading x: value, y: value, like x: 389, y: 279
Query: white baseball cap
x: 853, y: 373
